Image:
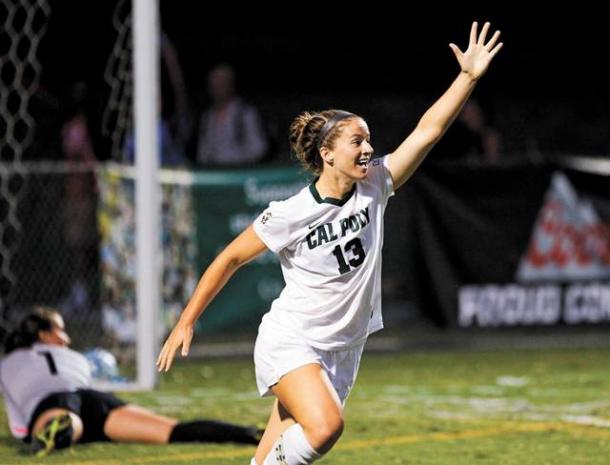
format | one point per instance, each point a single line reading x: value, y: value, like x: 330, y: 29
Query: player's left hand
x: 475, y: 60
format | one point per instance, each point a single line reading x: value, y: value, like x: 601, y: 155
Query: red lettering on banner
x: 560, y: 242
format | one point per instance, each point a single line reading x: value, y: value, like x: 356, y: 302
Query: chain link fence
x: 55, y: 260
x: 23, y: 26
x: 49, y: 196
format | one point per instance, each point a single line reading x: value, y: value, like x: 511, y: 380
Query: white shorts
x: 278, y: 352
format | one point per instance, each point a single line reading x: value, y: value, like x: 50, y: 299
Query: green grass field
x: 522, y: 407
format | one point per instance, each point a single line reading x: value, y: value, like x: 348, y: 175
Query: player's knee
x: 325, y: 432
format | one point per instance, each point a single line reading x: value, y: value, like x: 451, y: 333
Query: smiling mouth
x: 363, y: 162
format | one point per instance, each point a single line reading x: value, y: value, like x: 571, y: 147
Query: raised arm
x: 243, y: 249
x: 437, y: 119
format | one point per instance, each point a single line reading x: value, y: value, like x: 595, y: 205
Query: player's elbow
x: 431, y: 134
x: 229, y: 260
x: 424, y: 137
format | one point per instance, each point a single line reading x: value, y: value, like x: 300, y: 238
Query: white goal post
x: 148, y: 206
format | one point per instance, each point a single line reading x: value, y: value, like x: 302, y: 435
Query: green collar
x: 331, y: 200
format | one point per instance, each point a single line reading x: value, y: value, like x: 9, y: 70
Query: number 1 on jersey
x: 50, y: 362
x: 355, y: 246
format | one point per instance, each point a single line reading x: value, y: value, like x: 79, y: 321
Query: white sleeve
x: 379, y: 175
x: 272, y: 226
x: 389, y: 182
x: 17, y: 424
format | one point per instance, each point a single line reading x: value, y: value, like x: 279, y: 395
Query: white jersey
x: 29, y: 375
x: 330, y: 253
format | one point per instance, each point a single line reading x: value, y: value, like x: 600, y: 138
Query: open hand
x: 181, y: 335
x: 475, y: 60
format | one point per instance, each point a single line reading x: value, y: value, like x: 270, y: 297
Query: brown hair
x: 311, y: 131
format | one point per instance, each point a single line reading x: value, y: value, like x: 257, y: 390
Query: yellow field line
x: 582, y: 430
x: 469, y: 434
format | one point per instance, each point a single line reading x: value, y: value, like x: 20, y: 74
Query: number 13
x: 355, y: 246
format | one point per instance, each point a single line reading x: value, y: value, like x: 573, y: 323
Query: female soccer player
x: 328, y: 238
x: 49, y: 402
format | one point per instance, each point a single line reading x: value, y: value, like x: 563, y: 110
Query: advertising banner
x: 227, y: 202
x: 526, y: 245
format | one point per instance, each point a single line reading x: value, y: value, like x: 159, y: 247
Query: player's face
x: 57, y: 334
x: 352, y: 150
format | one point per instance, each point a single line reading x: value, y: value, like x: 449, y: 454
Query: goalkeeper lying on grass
x: 50, y: 404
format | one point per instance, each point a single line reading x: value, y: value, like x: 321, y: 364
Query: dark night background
x: 549, y: 83
x: 546, y: 94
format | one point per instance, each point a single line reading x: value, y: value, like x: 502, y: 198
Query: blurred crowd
x: 214, y: 125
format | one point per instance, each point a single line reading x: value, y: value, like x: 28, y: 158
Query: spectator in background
x: 170, y: 153
x: 174, y: 125
x: 174, y: 109
x: 230, y: 131
x: 471, y: 137
x: 80, y: 203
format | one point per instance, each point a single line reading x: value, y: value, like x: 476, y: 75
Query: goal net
x: 67, y: 221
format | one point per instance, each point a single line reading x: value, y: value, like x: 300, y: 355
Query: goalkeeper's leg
x: 132, y: 423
